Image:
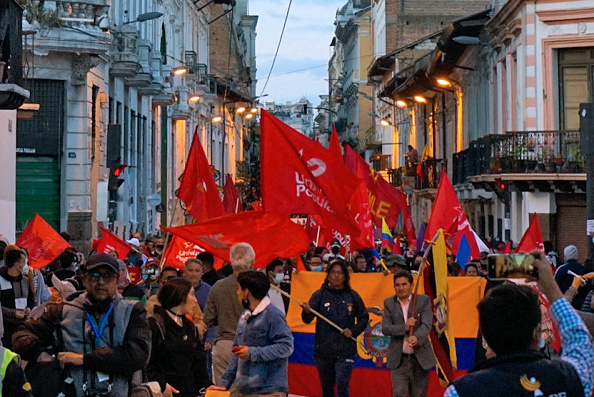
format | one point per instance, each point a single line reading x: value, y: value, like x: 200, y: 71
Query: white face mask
x: 25, y: 269
x: 279, y: 277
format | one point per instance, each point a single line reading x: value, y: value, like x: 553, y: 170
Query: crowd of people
x: 82, y: 328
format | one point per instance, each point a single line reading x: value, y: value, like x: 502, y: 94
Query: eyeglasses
x: 108, y: 276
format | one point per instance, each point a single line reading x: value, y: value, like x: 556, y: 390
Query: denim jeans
x: 334, y: 371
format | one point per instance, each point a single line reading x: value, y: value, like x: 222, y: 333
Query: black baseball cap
x: 102, y: 260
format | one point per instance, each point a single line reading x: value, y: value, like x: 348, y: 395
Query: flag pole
x: 420, y: 276
x: 318, y: 236
x: 318, y: 314
x: 168, y: 233
x: 237, y: 205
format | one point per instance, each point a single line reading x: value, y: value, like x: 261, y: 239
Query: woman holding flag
x: 334, y: 351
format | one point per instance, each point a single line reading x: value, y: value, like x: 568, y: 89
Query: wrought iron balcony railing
x: 421, y: 175
x: 519, y: 153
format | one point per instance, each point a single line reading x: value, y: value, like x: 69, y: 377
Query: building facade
x: 122, y: 87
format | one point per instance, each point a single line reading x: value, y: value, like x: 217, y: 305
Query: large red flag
x: 385, y: 201
x: 198, y: 189
x: 447, y: 210
x: 179, y: 251
x: 110, y: 242
x: 532, y: 238
x: 231, y: 198
x: 271, y: 234
x: 301, y: 177
x: 42, y: 241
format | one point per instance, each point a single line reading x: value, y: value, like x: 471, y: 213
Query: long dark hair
x: 345, y: 270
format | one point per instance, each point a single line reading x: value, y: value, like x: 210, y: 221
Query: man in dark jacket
x: 510, y: 321
x: 104, y: 339
x: 570, y: 255
x: 334, y: 351
x: 409, y: 355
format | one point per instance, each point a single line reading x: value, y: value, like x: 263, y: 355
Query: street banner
x: 231, y: 200
x: 271, y: 234
x: 385, y: 201
x: 42, y: 241
x: 370, y: 362
x: 447, y: 210
x: 435, y: 276
x: 198, y: 189
x: 298, y: 176
x: 110, y: 242
x: 532, y: 238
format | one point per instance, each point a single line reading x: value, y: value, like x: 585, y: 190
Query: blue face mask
x: 316, y: 268
x: 278, y: 278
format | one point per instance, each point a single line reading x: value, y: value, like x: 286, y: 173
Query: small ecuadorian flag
x: 387, y: 239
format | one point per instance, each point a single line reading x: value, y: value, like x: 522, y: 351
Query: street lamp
x: 148, y: 16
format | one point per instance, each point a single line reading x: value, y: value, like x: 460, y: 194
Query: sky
x: 305, y: 45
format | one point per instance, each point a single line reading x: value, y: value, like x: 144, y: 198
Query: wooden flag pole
x: 318, y: 236
x: 318, y: 314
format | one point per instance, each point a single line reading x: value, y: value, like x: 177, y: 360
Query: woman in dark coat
x: 178, y: 360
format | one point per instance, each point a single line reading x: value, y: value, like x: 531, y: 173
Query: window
x: 576, y: 77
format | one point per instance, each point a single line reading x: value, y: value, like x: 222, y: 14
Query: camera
x: 503, y: 266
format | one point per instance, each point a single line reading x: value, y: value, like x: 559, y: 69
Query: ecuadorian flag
x: 387, y: 239
x: 370, y: 376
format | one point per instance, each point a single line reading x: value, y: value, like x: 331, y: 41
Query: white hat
x: 134, y: 241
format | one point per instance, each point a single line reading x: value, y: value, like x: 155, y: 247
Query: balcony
x: 12, y: 93
x: 124, y: 53
x: 422, y: 178
x: 545, y: 161
x: 78, y: 27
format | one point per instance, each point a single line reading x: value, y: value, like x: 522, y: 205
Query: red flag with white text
x: 42, y: 241
x: 299, y: 176
x: 334, y: 146
x: 231, y: 200
x: 532, y: 238
x: 271, y: 234
x: 385, y: 201
x: 110, y: 242
x: 198, y: 189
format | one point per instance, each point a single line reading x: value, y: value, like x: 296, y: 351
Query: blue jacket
x: 270, y: 342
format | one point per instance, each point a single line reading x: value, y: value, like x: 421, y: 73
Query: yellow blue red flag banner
x: 370, y: 376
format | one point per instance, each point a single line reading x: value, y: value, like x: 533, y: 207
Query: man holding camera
x: 102, y: 339
x: 510, y: 317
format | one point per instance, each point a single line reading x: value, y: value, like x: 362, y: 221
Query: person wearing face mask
x: 159, y: 246
x: 262, y: 344
x: 36, y: 281
x: 276, y: 274
x: 316, y: 263
x: 15, y: 294
x: 150, y: 277
x: 334, y: 253
x: 224, y: 312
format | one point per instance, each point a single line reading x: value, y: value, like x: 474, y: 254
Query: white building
x: 104, y: 75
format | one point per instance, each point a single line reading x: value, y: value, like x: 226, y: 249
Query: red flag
x: 110, y: 242
x: 446, y: 209
x: 385, y: 201
x: 271, y: 234
x: 42, y: 241
x: 301, y: 177
x: 532, y: 238
x: 231, y: 199
x: 198, y: 189
x: 257, y: 205
x: 299, y: 265
x: 360, y: 207
x: 507, y: 248
x: 334, y: 146
x: 179, y: 251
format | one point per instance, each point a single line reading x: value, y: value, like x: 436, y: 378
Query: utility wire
x: 315, y: 67
x: 277, y: 47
